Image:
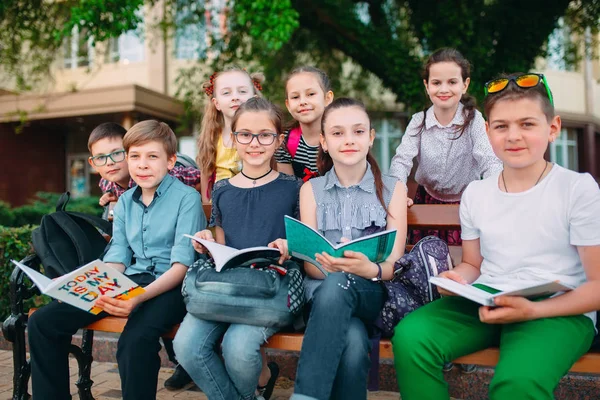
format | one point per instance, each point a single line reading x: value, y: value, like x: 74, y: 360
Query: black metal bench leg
x: 84, y: 359
x: 21, y: 367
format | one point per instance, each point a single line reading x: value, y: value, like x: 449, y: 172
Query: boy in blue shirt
x: 147, y: 245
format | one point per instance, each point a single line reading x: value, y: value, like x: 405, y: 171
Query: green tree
x: 387, y: 39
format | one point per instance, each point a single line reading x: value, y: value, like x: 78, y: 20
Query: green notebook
x: 304, y: 242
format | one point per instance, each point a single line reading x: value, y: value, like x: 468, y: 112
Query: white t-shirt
x: 532, y: 236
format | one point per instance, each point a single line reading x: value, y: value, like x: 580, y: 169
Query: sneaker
x: 178, y: 380
x: 267, y: 390
x: 447, y: 367
x: 467, y: 368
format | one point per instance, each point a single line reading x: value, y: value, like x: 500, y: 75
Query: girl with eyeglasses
x: 448, y: 140
x: 217, y: 157
x: 247, y: 211
x: 531, y: 223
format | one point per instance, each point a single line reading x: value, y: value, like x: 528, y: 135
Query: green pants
x: 534, y: 355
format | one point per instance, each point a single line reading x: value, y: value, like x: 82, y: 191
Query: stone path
x: 107, y: 385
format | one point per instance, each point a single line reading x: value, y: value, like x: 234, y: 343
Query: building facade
x: 43, y: 135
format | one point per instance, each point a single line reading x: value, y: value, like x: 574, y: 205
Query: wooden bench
x: 441, y: 217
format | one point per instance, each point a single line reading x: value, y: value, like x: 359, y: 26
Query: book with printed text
x: 83, y: 286
x: 486, y: 297
x: 228, y: 257
x: 304, y: 242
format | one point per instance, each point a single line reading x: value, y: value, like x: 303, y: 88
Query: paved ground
x: 107, y: 385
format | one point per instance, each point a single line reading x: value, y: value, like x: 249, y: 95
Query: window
x: 127, y: 48
x: 560, y: 52
x: 78, y: 49
x: 190, y: 34
x: 563, y: 151
x: 388, y: 134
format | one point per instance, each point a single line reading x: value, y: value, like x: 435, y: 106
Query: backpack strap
x: 61, y: 204
x: 294, y: 140
x: 99, y: 223
x: 74, y: 232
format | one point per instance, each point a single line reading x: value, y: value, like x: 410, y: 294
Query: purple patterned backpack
x: 410, y: 288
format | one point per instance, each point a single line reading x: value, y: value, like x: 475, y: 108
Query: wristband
x: 378, y: 277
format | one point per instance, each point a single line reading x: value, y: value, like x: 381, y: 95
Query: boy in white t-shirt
x: 532, y: 222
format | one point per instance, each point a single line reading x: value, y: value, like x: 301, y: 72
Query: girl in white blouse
x: 448, y: 138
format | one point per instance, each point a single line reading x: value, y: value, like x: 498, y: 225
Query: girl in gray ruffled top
x: 352, y: 199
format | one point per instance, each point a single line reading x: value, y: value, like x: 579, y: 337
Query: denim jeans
x: 334, y: 361
x: 196, y: 345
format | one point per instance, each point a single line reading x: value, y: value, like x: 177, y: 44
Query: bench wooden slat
x: 433, y: 216
x: 589, y: 363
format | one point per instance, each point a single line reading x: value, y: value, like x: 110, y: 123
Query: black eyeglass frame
x: 112, y: 155
x: 273, y: 135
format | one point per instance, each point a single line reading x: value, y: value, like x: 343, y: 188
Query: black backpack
x: 66, y: 240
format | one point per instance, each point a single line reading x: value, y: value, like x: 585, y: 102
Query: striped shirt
x: 304, y: 162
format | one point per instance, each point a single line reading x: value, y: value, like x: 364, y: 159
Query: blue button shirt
x: 154, y: 234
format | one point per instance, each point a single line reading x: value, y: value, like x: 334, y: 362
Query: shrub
x: 15, y: 243
x: 6, y: 214
x: 45, y: 203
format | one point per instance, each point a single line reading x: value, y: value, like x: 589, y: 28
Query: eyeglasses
x: 264, y: 138
x: 115, y: 156
x: 525, y: 81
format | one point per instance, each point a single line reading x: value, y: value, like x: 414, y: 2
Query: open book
x: 83, y: 286
x: 304, y: 242
x: 227, y: 257
x: 487, y: 299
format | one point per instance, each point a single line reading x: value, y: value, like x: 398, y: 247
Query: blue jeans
x: 196, y: 349
x: 334, y: 361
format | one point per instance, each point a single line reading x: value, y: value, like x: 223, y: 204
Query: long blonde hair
x: 213, y: 121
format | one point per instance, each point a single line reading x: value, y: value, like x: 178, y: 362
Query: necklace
x: 536, y: 182
x: 255, y: 179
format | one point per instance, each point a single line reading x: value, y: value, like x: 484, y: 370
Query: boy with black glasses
x: 149, y: 246
x: 108, y: 158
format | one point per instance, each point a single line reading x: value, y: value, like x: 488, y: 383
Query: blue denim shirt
x: 154, y: 234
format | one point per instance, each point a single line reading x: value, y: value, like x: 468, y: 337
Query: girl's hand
x: 453, y: 276
x: 508, y: 309
x: 206, y: 235
x: 118, y: 308
x: 107, y: 198
x: 282, y: 245
x: 353, y: 262
x: 409, y: 201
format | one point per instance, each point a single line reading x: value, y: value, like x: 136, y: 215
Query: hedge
x: 44, y: 203
x: 15, y: 243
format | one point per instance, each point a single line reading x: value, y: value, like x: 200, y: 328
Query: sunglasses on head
x: 524, y: 81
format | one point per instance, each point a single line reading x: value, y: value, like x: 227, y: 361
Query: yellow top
x: 227, y: 162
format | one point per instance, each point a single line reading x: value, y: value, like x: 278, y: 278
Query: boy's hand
x: 453, y: 276
x: 107, y: 198
x: 206, y: 235
x: 409, y: 201
x: 118, y: 308
x: 281, y: 244
x: 508, y: 309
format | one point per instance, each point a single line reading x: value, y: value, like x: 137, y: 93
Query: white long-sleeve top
x: 445, y: 166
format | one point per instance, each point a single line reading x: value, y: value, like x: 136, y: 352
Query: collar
x: 458, y: 119
x: 367, y: 183
x: 160, y: 190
